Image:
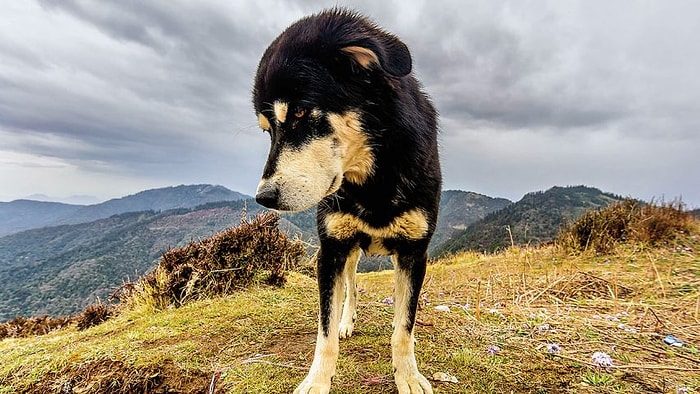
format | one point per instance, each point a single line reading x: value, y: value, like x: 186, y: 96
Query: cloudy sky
x: 108, y: 98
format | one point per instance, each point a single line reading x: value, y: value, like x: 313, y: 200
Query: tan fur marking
x: 411, y: 225
x: 316, y: 113
x: 280, y: 110
x: 264, y: 122
x: 305, y: 176
x: 363, y: 56
x: 356, y: 154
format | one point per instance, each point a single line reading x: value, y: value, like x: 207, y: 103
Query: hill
x: 459, y: 209
x: 58, y: 270
x: 22, y: 215
x: 526, y: 320
x: 535, y: 219
x: 61, y: 269
x: 77, y: 264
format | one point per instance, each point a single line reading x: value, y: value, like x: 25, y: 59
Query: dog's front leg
x: 409, y: 273
x: 330, y: 285
x: 347, y: 320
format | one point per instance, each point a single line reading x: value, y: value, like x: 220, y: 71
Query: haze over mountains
x: 68, y: 256
x: 26, y: 214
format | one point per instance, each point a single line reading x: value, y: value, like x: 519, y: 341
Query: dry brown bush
x: 20, y: 327
x: 228, y: 261
x: 627, y: 220
x: 95, y: 314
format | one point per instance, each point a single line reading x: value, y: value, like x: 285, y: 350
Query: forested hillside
x: 535, y: 219
x: 59, y: 270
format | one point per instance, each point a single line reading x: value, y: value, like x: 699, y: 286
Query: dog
x: 353, y: 133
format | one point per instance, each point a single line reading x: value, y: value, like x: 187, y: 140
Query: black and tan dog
x: 352, y: 131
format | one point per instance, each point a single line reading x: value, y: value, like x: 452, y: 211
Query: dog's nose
x: 268, y: 196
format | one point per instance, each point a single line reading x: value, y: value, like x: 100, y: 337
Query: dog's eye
x: 300, y: 113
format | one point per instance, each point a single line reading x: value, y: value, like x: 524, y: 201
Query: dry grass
x: 21, y: 327
x: 29, y: 326
x: 626, y: 221
x: 623, y: 304
x: 525, y: 302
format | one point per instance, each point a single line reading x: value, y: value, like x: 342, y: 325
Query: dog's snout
x: 268, y: 196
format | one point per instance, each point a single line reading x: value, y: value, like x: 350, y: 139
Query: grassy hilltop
x: 525, y: 320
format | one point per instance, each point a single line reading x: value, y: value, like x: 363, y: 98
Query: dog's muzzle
x: 268, y: 195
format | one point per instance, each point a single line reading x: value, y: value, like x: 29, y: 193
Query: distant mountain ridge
x: 536, y: 218
x: 60, y: 269
x: 73, y: 200
x: 20, y: 215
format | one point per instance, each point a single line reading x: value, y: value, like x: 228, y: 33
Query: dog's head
x: 311, y: 85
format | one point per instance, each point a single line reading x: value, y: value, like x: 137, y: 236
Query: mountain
x: 459, y: 209
x: 60, y: 270
x: 21, y: 215
x: 75, y: 199
x: 535, y: 219
x: 174, y: 197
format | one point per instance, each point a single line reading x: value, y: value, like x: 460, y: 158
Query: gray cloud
x: 107, y: 98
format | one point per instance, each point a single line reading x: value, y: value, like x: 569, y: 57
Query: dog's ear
x: 385, y: 50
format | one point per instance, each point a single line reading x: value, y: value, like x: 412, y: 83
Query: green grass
x: 521, y: 300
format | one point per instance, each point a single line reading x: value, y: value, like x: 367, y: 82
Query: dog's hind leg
x: 409, y: 271
x: 347, y: 321
x: 330, y: 285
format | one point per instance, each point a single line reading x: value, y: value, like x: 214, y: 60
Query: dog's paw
x: 345, y: 330
x: 313, y: 386
x: 412, y: 383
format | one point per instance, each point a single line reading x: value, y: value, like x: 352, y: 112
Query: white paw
x: 412, y: 383
x: 345, y: 330
x: 312, y: 385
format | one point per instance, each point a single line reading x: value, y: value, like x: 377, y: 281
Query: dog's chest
x: 409, y: 225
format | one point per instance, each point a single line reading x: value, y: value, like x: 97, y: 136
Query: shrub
x: 627, y: 220
x: 228, y: 261
x: 94, y: 314
x: 20, y: 327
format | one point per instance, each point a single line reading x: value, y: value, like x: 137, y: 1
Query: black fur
x: 307, y: 67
